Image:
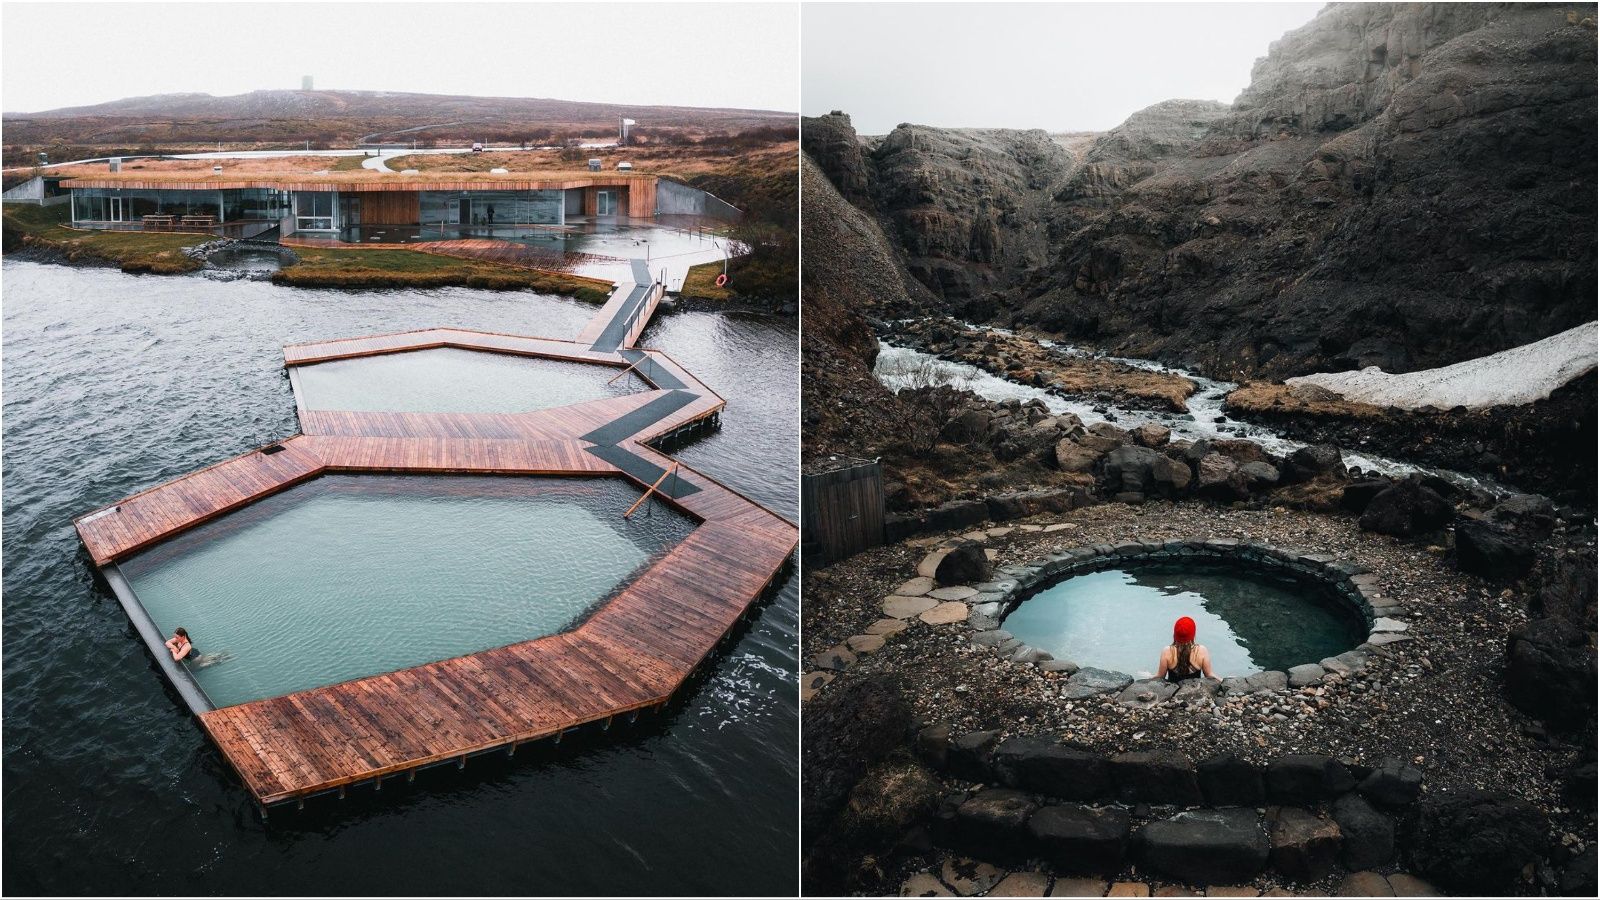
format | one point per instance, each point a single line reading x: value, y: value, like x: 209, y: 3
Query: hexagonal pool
x: 451, y: 379
x: 1121, y: 618
x: 354, y: 575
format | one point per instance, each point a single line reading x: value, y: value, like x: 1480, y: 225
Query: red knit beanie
x: 1183, y: 631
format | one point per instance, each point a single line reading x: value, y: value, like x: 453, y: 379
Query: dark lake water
x: 114, y: 383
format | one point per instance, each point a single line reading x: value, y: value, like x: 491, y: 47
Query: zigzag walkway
x: 631, y: 654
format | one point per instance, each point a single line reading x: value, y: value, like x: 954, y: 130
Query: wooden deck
x: 631, y: 654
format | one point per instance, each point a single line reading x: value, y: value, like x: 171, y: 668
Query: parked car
x: 477, y: 146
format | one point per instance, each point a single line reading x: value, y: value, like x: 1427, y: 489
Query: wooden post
x: 670, y: 470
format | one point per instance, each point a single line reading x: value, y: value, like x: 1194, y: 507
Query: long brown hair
x: 1184, y: 649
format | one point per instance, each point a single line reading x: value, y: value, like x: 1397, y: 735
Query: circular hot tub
x: 1248, y: 618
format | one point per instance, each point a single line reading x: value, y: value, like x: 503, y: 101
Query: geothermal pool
x: 453, y: 380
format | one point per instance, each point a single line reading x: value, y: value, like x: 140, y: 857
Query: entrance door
x: 466, y: 211
x: 116, y: 209
x: 606, y: 203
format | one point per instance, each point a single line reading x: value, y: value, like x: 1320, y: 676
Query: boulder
x: 1151, y: 435
x: 1493, y: 551
x: 1394, y: 783
x: 1143, y: 471
x: 970, y: 426
x: 1081, y: 840
x: 1022, y: 504
x: 1308, y: 463
x: 1306, y: 779
x: 1147, y: 693
x: 1569, y: 591
x: 1075, y: 455
x: 1578, y: 786
x: 993, y: 824
x: 1230, y: 780
x: 1578, y: 875
x: 966, y: 563
x: 1259, y: 476
x: 1090, y: 682
x: 1218, y: 477
x: 1155, y: 776
x: 1368, y: 833
x: 1306, y: 675
x: 1047, y: 766
x: 1550, y: 671
x: 1241, y: 451
x: 933, y: 746
x: 1304, y: 846
x: 969, y: 754
x: 1357, y: 495
x: 1406, y: 508
x: 1477, y: 842
x: 1213, y: 846
x: 1529, y: 514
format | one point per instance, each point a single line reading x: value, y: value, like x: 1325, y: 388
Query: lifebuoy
x: 722, y: 279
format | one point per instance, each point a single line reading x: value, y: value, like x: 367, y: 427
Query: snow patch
x: 1508, y: 378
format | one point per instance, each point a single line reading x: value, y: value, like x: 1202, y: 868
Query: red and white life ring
x: 722, y: 279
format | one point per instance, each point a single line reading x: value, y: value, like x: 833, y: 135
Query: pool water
x: 1120, y: 619
x: 356, y: 575
x: 453, y: 380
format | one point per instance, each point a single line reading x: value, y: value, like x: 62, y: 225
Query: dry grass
x: 42, y: 227
x: 701, y: 282
x: 366, y: 268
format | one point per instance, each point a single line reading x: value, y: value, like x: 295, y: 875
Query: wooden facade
x: 843, y: 512
x: 385, y: 183
x: 630, y: 655
x: 391, y: 208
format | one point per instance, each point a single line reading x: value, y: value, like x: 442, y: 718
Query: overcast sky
x: 678, y: 54
x: 1062, y: 67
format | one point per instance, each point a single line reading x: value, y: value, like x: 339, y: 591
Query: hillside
x: 1403, y: 185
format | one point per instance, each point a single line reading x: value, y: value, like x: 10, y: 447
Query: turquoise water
x: 449, y: 379
x: 1120, y: 619
x: 356, y: 575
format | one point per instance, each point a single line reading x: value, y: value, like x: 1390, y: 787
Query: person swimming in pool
x: 183, y: 650
x: 1183, y: 659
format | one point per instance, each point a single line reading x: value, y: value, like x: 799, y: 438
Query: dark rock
x: 1218, y: 477
x: 1578, y: 786
x: 1357, y: 495
x: 1230, y: 780
x: 1143, y: 471
x: 1259, y: 475
x: 1493, y: 551
x: 955, y: 514
x: 1569, y: 591
x: 1550, y: 672
x: 966, y: 563
x: 969, y: 755
x: 849, y: 728
x: 1368, y: 834
x: 1089, y: 682
x: 933, y: 746
x: 1477, y: 842
x: 1406, y: 509
x: 970, y: 426
x: 1022, y: 504
x: 1530, y: 514
x: 1578, y: 875
x: 1310, y: 462
x: 1304, y: 847
x: 1151, y: 435
x: 1048, y: 767
x: 1393, y: 783
x: 1155, y: 776
x: 1306, y: 779
x: 993, y: 824
x: 1081, y: 840
x: 1074, y: 454
x: 1214, y: 846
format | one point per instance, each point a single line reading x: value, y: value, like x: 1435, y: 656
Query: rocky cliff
x: 1403, y: 185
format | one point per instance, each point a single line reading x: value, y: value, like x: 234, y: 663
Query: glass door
x: 606, y: 203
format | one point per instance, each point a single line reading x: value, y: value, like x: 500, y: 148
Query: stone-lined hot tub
x: 1348, y: 598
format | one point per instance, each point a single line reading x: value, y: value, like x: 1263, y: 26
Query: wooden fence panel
x: 841, y: 513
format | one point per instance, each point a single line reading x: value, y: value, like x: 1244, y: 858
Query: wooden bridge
x: 630, y: 655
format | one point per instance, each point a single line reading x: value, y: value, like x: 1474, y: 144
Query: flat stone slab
x: 930, y: 563
x: 958, y: 592
x: 811, y: 682
x: 969, y: 877
x: 945, y: 613
x: 1022, y: 884
x: 838, y: 659
x: 1306, y: 675
x: 975, y: 536
x: 1000, y: 531
x: 1385, y: 624
x: 864, y: 643
x: 916, y: 587
x: 896, y: 607
x: 1086, y: 683
x: 886, y: 626
x: 924, y: 884
x: 1059, y: 526
x: 1405, y: 885
x: 1080, y: 887
x: 1365, y: 884
x: 1129, y: 889
x: 1141, y: 694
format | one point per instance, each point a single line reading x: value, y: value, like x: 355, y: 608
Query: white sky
x: 680, y: 54
x: 1058, y: 66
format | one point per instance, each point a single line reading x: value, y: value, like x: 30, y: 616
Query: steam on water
x: 902, y: 368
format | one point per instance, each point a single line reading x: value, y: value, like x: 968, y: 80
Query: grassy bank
x: 44, y: 228
x: 414, y: 269
x: 701, y: 282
